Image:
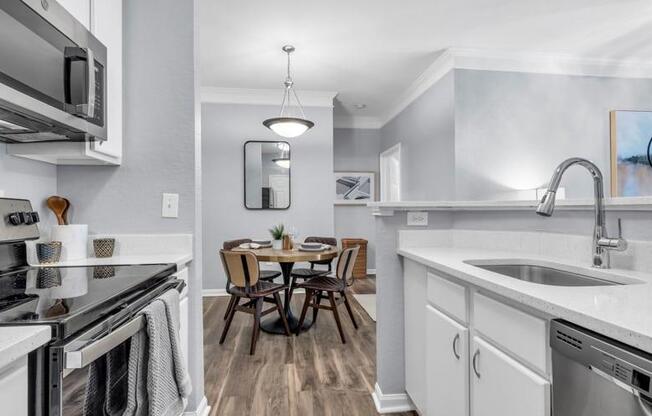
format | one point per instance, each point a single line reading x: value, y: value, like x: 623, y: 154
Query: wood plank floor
x: 312, y: 374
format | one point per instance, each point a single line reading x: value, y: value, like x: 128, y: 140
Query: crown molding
x: 537, y: 63
x: 356, y: 122
x: 219, y: 95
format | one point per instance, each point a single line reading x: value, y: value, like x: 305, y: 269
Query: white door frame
x: 393, y: 153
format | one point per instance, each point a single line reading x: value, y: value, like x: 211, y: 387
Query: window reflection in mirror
x: 267, y: 175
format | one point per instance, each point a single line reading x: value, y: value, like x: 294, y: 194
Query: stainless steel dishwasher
x: 593, y: 375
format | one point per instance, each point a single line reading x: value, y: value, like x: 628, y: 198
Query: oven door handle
x: 91, y: 348
x: 82, y: 357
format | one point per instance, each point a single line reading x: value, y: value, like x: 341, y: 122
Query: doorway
x: 390, y: 174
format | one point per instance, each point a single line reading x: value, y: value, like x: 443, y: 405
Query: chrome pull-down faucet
x: 601, y: 242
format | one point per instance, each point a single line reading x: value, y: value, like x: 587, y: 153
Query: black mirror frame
x: 244, y: 175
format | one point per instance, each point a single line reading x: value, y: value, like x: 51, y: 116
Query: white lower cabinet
x: 447, y: 365
x: 183, y: 327
x: 13, y: 388
x: 461, y: 357
x: 415, y: 336
x: 502, y: 386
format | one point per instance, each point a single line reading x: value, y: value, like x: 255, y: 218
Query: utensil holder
x: 104, y: 247
x: 74, y: 240
x: 48, y: 253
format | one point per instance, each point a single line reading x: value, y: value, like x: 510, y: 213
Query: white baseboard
x: 391, y: 403
x: 371, y: 271
x: 202, y: 410
x: 214, y: 292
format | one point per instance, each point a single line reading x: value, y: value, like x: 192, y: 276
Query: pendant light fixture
x: 285, y: 125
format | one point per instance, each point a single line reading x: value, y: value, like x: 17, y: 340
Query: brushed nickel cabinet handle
x: 475, y: 363
x: 455, y: 342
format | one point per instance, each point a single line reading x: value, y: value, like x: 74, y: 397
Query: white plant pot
x: 277, y: 244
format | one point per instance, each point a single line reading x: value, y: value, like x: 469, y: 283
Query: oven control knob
x: 31, y: 217
x: 16, y: 218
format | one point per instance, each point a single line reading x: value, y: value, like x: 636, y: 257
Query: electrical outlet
x: 417, y: 218
x: 170, y: 208
x: 2, y: 194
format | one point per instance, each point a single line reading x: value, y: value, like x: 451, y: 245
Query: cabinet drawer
x: 13, y: 388
x: 518, y: 332
x: 447, y: 296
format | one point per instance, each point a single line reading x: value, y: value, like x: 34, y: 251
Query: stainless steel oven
x: 52, y: 75
x: 85, y: 374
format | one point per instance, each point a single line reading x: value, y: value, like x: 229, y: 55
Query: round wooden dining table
x: 286, y: 259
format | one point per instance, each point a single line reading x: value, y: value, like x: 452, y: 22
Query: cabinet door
x: 414, y: 291
x: 183, y: 327
x: 107, y: 27
x: 447, y: 365
x: 13, y: 388
x: 79, y: 9
x: 502, y: 386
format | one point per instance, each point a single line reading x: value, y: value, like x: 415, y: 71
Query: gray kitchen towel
x: 158, y: 380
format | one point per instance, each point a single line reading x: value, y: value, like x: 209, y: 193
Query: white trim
x: 357, y: 122
x: 203, y: 409
x: 391, y: 403
x: 436, y: 71
x: 538, y: 63
x: 214, y: 292
x: 371, y: 271
x: 221, y: 95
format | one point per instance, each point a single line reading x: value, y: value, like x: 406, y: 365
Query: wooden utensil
x: 59, y: 207
x: 64, y: 215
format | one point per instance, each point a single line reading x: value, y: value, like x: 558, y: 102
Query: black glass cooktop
x: 71, y: 298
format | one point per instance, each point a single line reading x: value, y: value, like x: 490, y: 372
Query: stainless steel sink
x: 543, y: 275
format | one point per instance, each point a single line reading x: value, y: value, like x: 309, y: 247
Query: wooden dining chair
x: 267, y: 275
x: 331, y: 285
x: 242, y: 271
x: 304, y: 273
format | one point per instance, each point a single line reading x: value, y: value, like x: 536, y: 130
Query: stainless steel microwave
x: 52, y: 75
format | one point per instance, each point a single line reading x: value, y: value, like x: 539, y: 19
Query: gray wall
x: 158, y: 151
x: 426, y: 131
x: 512, y: 129
x: 357, y: 150
x: 23, y: 178
x: 482, y: 135
x: 160, y: 146
x: 225, y: 129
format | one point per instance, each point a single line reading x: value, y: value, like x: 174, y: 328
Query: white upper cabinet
x: 104, y: 19
x: 502, y: 386
x: 447, y: 365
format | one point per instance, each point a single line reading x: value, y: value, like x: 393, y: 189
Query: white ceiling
x: 370, y: 51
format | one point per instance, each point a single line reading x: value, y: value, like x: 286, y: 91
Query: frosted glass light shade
x: 288, y: 126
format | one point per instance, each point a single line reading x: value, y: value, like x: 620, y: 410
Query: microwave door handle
x: 88, y: 109
x: 85, y: 355
x: 78, y: 54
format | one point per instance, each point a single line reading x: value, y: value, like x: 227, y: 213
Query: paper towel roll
x: 74, y: 240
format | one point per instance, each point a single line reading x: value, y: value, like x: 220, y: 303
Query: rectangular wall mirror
x: 267, y: 175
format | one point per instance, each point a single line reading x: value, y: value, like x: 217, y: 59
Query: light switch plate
x: 417, y: 218
x: 170, y: 208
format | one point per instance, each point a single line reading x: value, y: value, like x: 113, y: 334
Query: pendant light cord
x: 287, y: 95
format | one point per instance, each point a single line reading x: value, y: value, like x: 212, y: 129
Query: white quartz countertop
x: 179, y: 259
x: 622, y: 312
x: 18, y: 341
